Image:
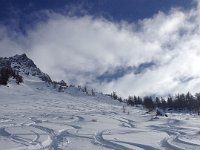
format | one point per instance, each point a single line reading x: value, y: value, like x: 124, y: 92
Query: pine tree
x: 4, y: 75
x: 148, y: 103
x: 114, y: 95
x: 130, y: 101
x: 93, y: 93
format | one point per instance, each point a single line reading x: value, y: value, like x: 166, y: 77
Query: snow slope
x: 36, y: 116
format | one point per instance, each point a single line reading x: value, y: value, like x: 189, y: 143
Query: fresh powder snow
x: 35, y: 116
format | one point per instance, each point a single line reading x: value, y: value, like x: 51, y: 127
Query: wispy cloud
x: 80, y: 49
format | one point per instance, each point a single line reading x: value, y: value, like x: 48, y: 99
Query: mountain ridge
x: 21, y: 65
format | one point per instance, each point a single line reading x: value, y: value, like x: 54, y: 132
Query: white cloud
x: 78, y: 49
x: 86, y: 46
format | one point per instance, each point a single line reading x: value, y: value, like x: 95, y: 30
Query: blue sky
x: 24, y: 12
x: 133, y: 47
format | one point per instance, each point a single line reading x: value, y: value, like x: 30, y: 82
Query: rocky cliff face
x: 21, y: 65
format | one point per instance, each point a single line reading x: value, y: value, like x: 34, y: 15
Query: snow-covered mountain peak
x: 24, y: 66
x: 23, y: 60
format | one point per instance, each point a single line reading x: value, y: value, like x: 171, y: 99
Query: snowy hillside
x: 34, y: 115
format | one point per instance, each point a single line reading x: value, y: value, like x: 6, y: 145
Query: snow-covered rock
x: 23, y: 66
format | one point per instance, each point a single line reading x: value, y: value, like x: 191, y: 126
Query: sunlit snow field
x: 34, y: 116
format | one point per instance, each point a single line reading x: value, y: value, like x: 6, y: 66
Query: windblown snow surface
x: 35, y: 116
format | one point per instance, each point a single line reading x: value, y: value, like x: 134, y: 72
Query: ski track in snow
x: 45, y: 119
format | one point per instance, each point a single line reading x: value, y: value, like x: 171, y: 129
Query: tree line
x: 181, y: 102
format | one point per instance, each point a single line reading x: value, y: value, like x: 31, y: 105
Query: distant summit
x: 20, y: 65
